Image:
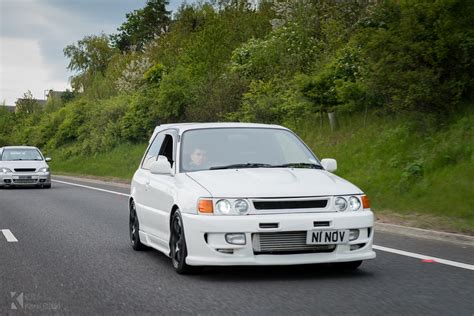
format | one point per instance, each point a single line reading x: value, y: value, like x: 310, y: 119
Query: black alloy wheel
x: 178, y: 250
x: 134, y: 228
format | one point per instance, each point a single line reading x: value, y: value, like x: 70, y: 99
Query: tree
x: 142, y: 25
x: 27, y: 104
x: 92, y: 53
x: 419, y: 54
x: 89, y: 56
x: 6, y: 122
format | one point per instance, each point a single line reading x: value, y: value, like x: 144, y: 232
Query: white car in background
x: 24, y: 166
x: 219, y: 194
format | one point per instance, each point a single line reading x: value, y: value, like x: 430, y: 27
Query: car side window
x: 152, y: 153
x: 167, y: 148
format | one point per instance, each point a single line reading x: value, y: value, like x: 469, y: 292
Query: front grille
x: 25, y: 181
x: 289, y: 204
x: 25, y: 170
x: 285, y: 243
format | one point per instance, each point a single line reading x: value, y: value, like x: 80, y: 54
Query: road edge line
x: 92, y: 188
x: 425, y: 257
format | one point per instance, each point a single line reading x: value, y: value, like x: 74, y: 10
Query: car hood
x: 28, y: 164
x: 270, y: 182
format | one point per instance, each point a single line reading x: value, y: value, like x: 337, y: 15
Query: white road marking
x: 92, y: 188
x: 9, y: 235
x: 425, y: 257
x: 376, y: 247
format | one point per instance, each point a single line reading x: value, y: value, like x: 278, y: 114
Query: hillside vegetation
x: 398, y: 75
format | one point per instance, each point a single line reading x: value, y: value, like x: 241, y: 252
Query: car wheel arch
x: 173, y: 210
x: 131, y: 201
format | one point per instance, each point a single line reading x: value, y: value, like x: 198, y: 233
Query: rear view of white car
x: 24, y: 166
x: 215, y: 194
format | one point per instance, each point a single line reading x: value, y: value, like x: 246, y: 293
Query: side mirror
x: 329, y: 164
x: 47, y: 159
x: 161, y: 166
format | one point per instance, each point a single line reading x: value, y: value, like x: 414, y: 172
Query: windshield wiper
x: 266, y: 165
x: 243, y: 165
x: 298, y: 165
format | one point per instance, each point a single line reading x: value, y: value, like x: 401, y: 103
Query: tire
x: 347, y: 266
x: 178, y: 249
x: 47, y: 186
x: 134, y: 228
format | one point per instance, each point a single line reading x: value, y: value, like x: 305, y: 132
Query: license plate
x: 325, y: 237
x: 25, y: 177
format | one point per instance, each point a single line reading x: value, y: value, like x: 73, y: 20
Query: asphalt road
x: 72, y: 255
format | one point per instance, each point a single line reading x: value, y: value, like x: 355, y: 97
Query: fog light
x: 353, y: 234
x: 235, y: 239
x: 7, y: 181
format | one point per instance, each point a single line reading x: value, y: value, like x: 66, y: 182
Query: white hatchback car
x: 24, y: 166
x: 215, y: 194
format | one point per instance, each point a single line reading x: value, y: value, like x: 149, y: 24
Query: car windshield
x: 16, y: 154
x: 225, y: 148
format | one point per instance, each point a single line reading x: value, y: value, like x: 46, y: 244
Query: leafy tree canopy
x: 142, y: 26
x: 27, y: 104
x: 88, y: 57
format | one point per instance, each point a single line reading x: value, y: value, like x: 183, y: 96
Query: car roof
x: 19, y: 147
x: 182, y: 127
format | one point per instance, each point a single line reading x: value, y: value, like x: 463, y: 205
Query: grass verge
x: 425, y: 176
x: 119, y: 163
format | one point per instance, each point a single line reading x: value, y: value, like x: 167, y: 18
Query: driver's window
x: 152, y: 153
x: 167, y: 149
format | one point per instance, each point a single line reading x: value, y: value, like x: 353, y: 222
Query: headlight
x: 354, y: 203
x: 44, y: 169
x: 5, y: 170
x: 223, y: 207
x: 231, y: 207
x: 340, y: 203
x: 241, y: 206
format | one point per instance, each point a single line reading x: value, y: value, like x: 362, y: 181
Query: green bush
x: 139, y: 121
x: 154, y: 74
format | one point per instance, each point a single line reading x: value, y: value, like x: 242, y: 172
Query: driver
x: 198, y: 158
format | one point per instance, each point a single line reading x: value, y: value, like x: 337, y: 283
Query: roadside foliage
x: 398, y: 74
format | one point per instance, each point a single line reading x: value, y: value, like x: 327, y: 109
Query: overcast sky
x: 33, y: 34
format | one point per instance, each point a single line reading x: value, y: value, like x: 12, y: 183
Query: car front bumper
x: 25, y: 179
x: 206, y: 243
